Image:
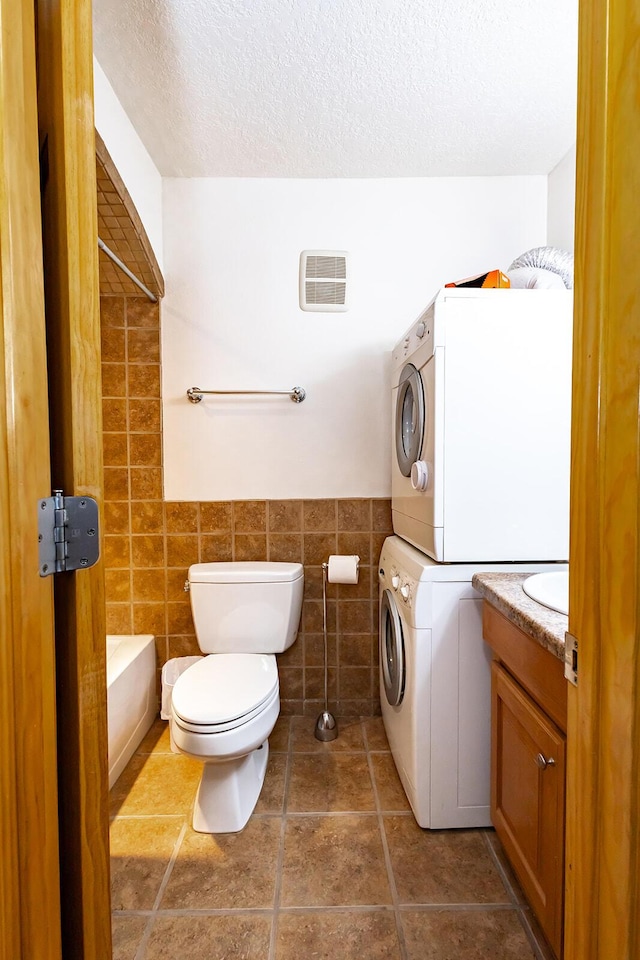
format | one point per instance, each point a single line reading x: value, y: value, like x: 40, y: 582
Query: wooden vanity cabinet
x: 528, y: 754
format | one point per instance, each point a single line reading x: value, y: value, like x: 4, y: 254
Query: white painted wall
x: 138, y: 171
x: 231, y: 320
x: 562, y: 203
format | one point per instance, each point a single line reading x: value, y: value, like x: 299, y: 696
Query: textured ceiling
x: 344, y: 88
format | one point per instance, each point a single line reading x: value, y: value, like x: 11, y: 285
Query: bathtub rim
x: 131, y: 669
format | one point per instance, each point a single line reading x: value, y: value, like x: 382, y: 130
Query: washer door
x: 409, y: 423
x: 391, y: 649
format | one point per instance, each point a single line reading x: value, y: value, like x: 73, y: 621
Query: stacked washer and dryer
x: 481, y: 408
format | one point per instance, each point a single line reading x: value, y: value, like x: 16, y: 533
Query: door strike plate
x: 571, y: 658
x: 68, y: 537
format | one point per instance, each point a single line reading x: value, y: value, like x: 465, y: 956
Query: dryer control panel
x: 419, y: 336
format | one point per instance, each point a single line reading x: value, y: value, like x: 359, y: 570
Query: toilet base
x: 229, y: 791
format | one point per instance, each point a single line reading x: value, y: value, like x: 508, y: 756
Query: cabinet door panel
x: 527, y: 802
x: 519, y: 793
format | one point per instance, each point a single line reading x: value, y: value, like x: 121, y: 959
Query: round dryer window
x: 391, y: 649
x: 409, y: 424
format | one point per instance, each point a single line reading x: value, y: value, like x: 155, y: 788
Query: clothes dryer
x: 481, y: 401
x: 435, y: 683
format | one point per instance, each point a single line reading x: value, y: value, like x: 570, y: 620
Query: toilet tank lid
x: 245, y: 571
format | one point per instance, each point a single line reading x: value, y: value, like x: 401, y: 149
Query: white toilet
x: 224, y: 707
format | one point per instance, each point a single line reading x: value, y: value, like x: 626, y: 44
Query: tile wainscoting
x: 150, y: 543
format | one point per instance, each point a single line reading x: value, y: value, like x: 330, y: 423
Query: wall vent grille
x: 323, y: 280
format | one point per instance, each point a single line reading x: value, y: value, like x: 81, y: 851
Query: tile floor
x: 331, y: 865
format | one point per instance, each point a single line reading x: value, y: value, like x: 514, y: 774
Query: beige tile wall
x: 150, y: 543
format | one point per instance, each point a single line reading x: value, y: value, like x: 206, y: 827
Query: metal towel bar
x: 297, y: 394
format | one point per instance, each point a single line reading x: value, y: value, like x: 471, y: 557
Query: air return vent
x: 323, y: 280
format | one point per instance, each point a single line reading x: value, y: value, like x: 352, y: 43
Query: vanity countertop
x: 504, y: 591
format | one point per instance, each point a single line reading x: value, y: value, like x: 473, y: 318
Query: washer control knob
x: 421, y: 329
x: 395, y: 581
x: 420, y: 475
x: 405, y: 590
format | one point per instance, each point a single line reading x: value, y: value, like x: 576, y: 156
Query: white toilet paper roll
x: 343, y: 569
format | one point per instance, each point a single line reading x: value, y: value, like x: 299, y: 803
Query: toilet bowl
x: 225, y: 706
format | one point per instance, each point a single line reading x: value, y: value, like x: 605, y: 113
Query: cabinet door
x: 527, y: 798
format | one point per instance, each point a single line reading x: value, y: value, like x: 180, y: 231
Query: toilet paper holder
x: 326, y: 725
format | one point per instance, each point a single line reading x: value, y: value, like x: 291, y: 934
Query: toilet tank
x: 246, y: 607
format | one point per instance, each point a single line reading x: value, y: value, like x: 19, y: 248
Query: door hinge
x: 68, y: 536
x: 571, y: 658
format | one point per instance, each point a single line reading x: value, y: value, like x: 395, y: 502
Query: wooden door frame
x: 29, y: 871
x: 70, y: 237
x: 603, y: 835
x: 603, y: 793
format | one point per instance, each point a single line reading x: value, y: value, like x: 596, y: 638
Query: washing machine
x: 481, y: 426
x: 435, y: 683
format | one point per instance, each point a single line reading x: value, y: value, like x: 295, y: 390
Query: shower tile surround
x: 150, y: 543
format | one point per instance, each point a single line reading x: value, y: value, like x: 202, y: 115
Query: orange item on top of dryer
x: 492, y: 279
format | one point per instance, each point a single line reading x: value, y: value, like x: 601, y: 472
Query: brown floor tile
x: 513, y: 884
x: 127, y: 934
x: 329, y: 783
x: 375, y: 733
x: 157, y: 739
x: 329, y: 861
x: 446, y: 866
x: 304, y: 741
x: 271, y: 799
x: 334, y: 861
x: 370, y: 934
x: 391, y: 793
x: 470, y: 935
x: 279, y: 739
x: 209, y: 938
x: 530, y: 924
x: 222, y: 871
x: 156, y: 785
x: 140, y: 854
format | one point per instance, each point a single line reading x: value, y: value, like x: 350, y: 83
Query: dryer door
x: 409, y: 421
x: 391, y: 649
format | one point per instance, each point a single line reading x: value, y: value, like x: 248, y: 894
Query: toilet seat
x: 224, y: 691
x: 214, y: 728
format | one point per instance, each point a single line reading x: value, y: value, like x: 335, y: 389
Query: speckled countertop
x: 504, y: 591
